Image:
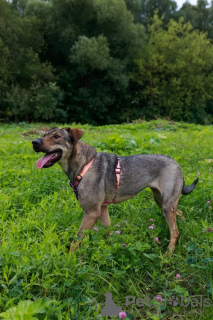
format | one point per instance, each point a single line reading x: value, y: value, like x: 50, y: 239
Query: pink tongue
x: 41, y: 162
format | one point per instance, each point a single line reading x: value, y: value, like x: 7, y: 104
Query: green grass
x: 40, y: 216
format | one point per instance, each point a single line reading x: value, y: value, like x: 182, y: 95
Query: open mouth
x: 49, y: 159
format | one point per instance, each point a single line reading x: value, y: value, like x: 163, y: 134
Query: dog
x: 102, y: 178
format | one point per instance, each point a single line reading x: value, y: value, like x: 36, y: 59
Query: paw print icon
x: 173, y: 301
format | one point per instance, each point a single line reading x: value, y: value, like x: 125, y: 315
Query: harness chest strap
x: 84, y: 170
x: 79, y: 177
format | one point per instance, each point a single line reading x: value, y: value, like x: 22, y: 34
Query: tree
x: 135, y: 7
x: 165, y: 9
x: 175, y: 76
x: 92, y: 45
x: 21, y: 42
x: 200, y: 16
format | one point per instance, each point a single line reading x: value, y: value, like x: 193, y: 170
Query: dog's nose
x: 37, y: 142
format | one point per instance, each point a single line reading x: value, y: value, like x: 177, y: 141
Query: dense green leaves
x: 90, y: 54
x: 105, y: 61
x: 21, y: 71
x: 199, y: 16
x: 176, y: 74
x: 26, y: 310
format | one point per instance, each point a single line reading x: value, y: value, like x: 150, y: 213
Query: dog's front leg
x: 89, y: 219
x: 105, y: 218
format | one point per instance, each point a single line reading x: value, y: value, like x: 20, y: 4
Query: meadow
x: 39, y: 217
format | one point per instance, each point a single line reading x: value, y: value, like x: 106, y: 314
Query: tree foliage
x: 21, y: 42
x: 92, y: 61
x: 176, y: 73
x: 200, y: 16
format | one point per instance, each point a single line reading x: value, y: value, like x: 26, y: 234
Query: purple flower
x: 95, y: 229
x: 178, y: 276
x: 156, y: 239
x: 209, y: 230
x: 151, y: 227
x: 125, y: 221
x: 122, y: 315
x: 152, y: 224
x: 117, y: 232
x: 124, y: 244
x: 159, y: 298
x: 208, y: 202
x: 210, y: 207
x: 198, y: 173
x: 151, y: 220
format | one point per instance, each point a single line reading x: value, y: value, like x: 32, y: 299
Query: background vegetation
x: 105, y: 61
x: 40, y: 216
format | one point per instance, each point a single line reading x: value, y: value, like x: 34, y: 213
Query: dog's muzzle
x: 37, y: 143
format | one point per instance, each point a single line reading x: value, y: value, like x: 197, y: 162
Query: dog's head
x: 57, y: 144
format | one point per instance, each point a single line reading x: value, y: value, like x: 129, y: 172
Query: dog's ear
x: 76, y: 134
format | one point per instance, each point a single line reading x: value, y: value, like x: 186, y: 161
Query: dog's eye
x: 56, y: 136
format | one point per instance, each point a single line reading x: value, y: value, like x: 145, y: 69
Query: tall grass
x: 40, y: 216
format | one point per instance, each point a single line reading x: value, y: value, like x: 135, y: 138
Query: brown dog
x: 101, y: 178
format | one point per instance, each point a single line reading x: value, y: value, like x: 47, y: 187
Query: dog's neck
x: 74, y: 163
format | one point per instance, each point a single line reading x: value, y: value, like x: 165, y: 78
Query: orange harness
x: 84, y: 170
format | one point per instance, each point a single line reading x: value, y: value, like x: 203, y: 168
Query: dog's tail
x: 188, y: 189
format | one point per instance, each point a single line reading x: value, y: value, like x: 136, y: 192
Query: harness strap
x: 82, y: 173
x: 118, y: 171
x: 79, y: 177
x: 84, y: 170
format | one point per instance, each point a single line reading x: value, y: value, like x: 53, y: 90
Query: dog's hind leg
x: 169, y: 208
x: 169, y: 211
x: 89, y: 219
x: 158, y: 200
x: 105, y: 218
x: 157, y: 196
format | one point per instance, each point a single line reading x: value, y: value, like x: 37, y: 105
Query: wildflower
x: 95, y: 229
x: 125, y: 221
x: 152, y: 224
x: 210, y: 207
x: 151, y: 220
x: 156, y: 239
x: 118, y: 225
x: 198, y: 173
x: 117, y: 232
x: 151, y: 227
x: 124, y: 244
x: 208, y: 202
x: 159, y: 298
x: 178, y: 276
x: 210, y: 230
x: 122, y: 315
